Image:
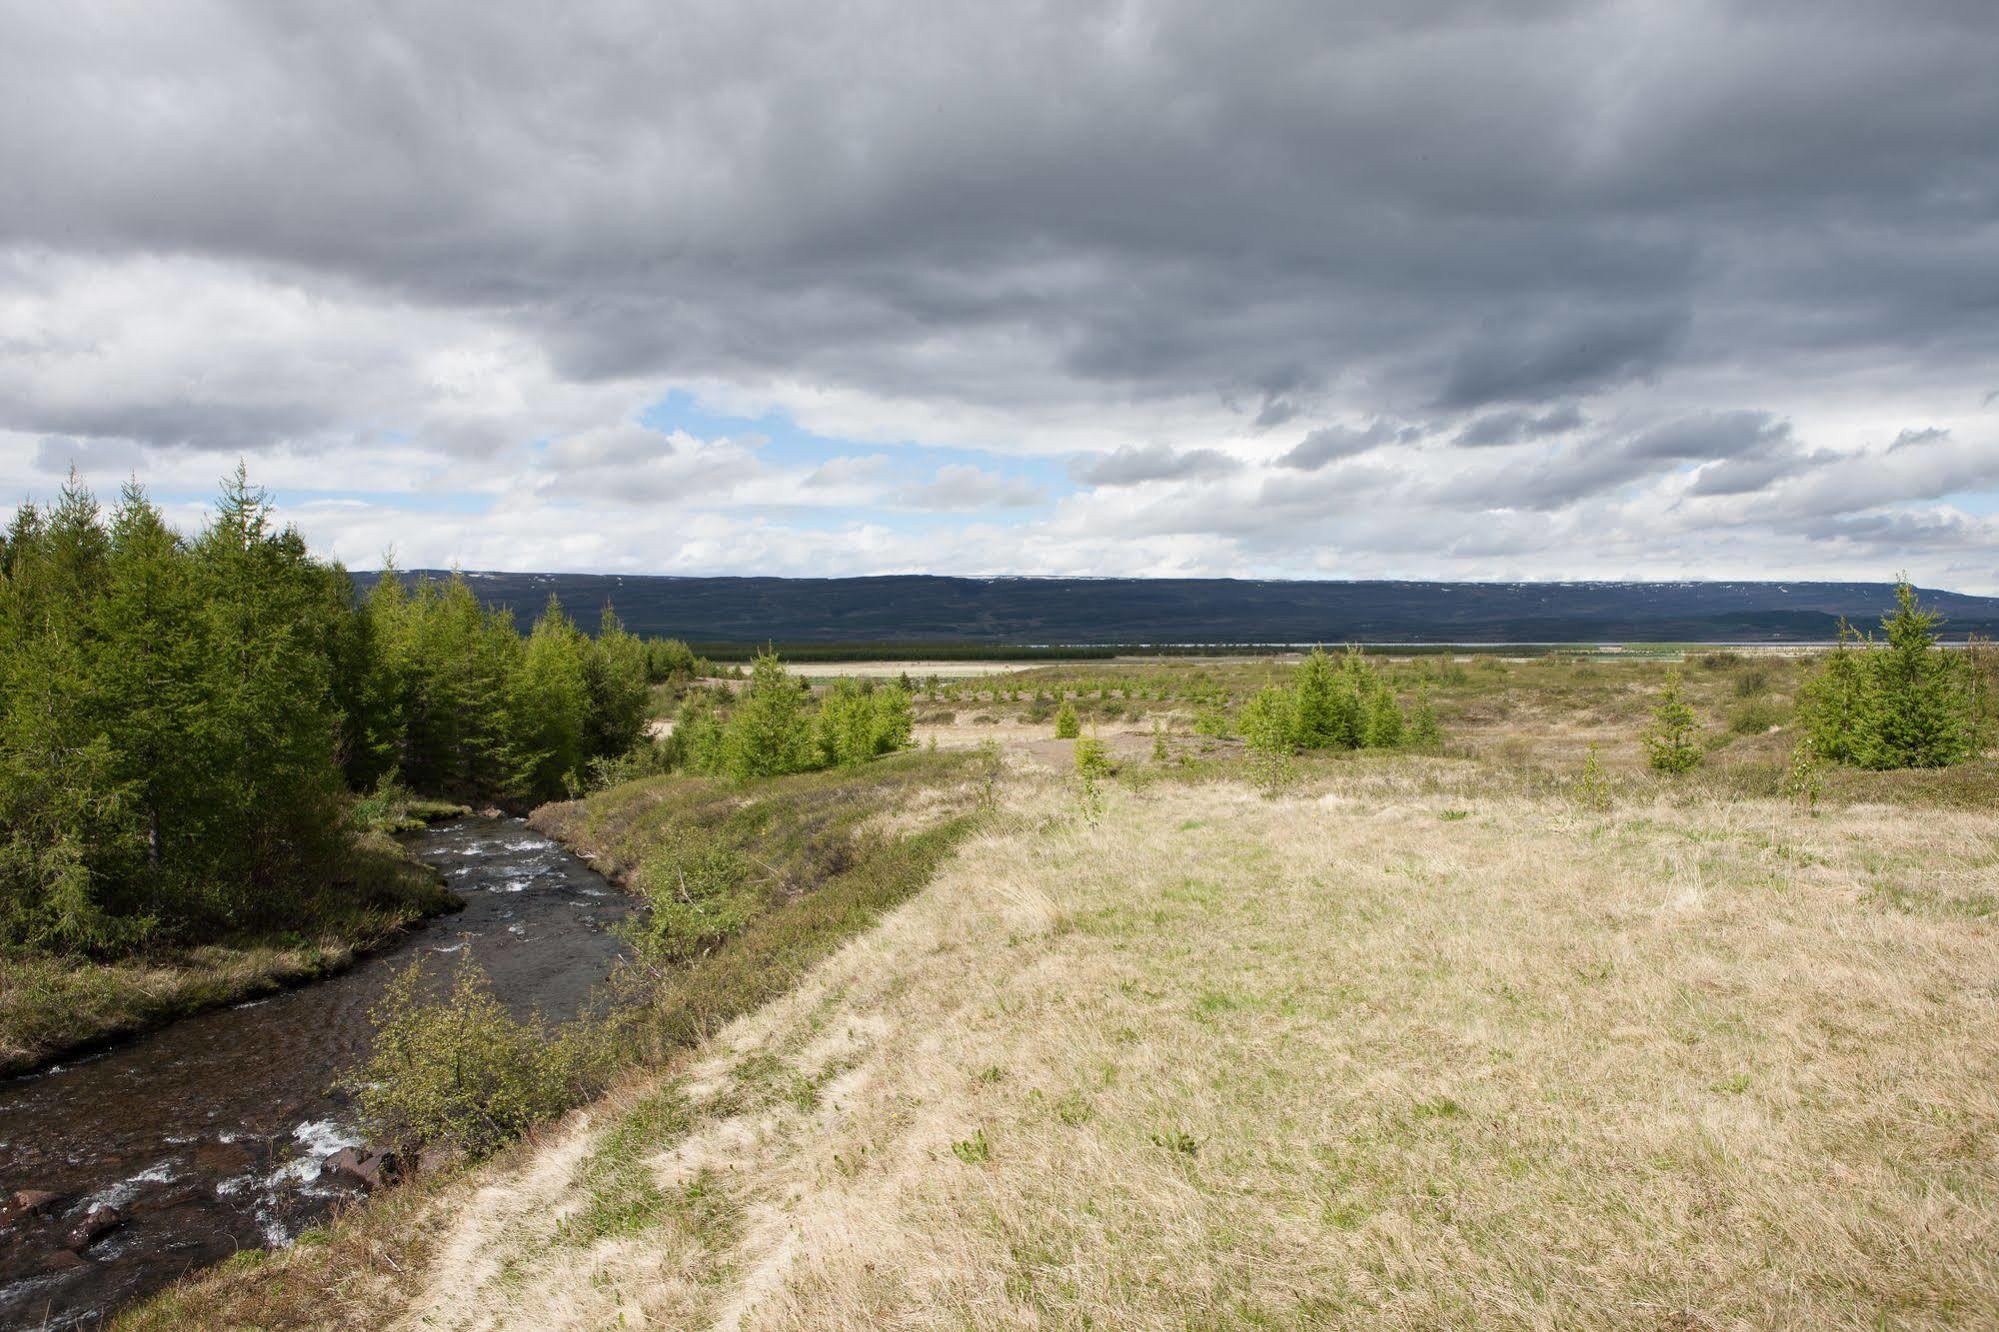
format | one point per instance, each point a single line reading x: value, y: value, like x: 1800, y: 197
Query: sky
x: 1469, y: 289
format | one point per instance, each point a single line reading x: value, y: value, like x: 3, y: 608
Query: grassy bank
x: 50, y: 1006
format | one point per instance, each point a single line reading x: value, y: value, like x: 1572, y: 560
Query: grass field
x: 1419, y: 1040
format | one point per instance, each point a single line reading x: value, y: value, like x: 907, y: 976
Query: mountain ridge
x: 1016, y: 610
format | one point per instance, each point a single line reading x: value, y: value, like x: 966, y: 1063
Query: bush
x: 700, y: 893
x: 461, y: 1070
x: 1067, y: 725
x: 1754, y: 717
x: 1674, y: 740
x: 857, y: 722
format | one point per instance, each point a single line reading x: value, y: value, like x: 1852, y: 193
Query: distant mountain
x: 1076, y: 611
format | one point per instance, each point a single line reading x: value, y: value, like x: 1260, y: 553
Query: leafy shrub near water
x: 700, y: 892
x: 462, y: 1070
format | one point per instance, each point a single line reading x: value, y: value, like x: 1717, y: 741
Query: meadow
x: 1487, y: 1034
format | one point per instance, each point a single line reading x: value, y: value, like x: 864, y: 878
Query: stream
x: 210, y: 1135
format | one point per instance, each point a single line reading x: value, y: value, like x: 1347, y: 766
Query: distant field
x: 916, y: 669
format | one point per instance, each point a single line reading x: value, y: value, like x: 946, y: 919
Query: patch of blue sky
x: 405, y: 501
x: 1983, y: 502
x: 787, y: 443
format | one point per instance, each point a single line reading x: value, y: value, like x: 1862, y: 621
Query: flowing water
x: 209, y: 1136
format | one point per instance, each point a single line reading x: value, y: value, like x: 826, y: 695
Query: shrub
x: 700, y: 893
x: 1754, y: 717
x: 1674, y: 740
x: 857, y: 722
x: 1922, y: 710
x: 1067, y: 725
x: 1592, y: 784
x: 1424, y: 732
x: 461, y: 1070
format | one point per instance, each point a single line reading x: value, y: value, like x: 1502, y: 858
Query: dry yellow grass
x: 1407, y: 1046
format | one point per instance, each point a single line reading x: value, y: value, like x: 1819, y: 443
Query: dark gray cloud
x: 1515, y: 426
x: 1129, y: 466
x: 1260, y: 199
x: 1331, y: 443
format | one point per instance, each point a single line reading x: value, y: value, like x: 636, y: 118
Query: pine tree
x: 1673, y: 742
x: 1067, y: 725
x: 1835, y: 707
x: 549, y: 706
x: 1920, y: 714
x: 1423, y: 729
x: 615, y: 673
x: 767, y: 733
x: 1385, y: 723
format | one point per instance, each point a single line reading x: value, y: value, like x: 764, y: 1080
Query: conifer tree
x: 767, y: 733
x: 1673, y: 743
x: 1920, y: 712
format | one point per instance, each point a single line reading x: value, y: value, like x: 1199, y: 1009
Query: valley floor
x: 1416, y: 1042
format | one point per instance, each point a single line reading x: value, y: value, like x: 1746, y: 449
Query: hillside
x: 937, y: 610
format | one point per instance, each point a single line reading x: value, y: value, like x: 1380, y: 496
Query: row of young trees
x: 182, y: 718
x: 1336, y: 704
x: 1902, y: 701
x: 770, y: 727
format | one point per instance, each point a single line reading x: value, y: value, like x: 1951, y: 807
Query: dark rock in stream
x: 95, y: 1225
x: 26, y: 1203
x: 371, y: 1170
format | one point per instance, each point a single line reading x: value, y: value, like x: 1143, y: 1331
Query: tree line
x: 182, y: 719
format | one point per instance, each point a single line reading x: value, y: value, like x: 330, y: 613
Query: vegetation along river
x: 212, y: 1135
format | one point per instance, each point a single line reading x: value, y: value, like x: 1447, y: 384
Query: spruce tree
x: 1673, y: 742
x: 767, y: 733
x: 1920, y: 714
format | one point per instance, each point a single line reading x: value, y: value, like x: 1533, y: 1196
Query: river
x: 209, y: 1136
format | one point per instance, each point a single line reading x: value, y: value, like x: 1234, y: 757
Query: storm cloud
x: 1548, y: 255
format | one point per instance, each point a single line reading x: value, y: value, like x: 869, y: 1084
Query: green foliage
x: 1804, y: 780
x: 1835, y: 706
x: 701, y: 891
x: 182, y: 719
x: 767, y: 733
x: 1921, y: 714
x: 1211, y: 723
x: 1424, y: 732
x: 1673, y: 742
x: 1904, y: 704
x: 461, y: 1070
x: 1067, y: 725
x: 1591, y: 788
x: 859, y: 721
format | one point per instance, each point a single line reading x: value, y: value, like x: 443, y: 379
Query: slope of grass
x: 1402, y: 1047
